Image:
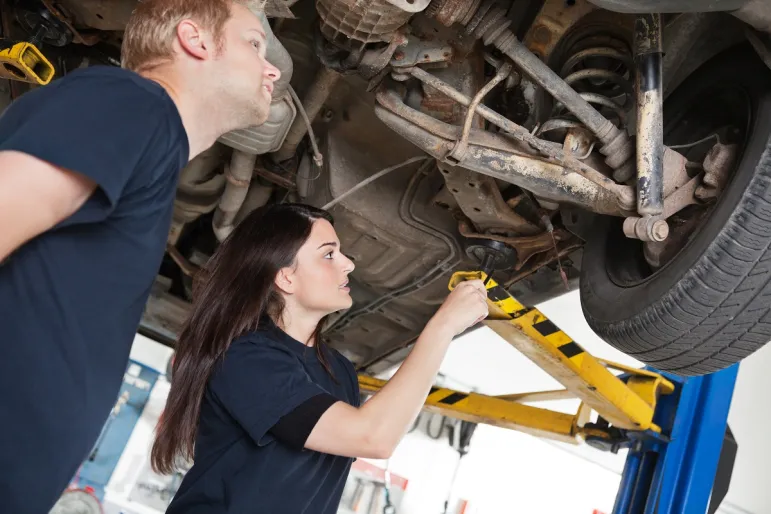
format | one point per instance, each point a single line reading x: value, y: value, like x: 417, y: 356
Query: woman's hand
x: 464, y: 307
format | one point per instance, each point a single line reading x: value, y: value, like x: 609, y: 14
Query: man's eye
x: 256, y: 44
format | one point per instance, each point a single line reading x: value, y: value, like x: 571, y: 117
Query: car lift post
x: 677, y: 477
x: 674, y: 427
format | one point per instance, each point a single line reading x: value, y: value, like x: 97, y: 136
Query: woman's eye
x: 256, y: 44
x: 329, y: 255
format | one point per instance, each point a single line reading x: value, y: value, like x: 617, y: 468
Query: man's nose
x: 272, y: 72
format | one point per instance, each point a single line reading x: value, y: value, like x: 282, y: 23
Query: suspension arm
x: 624, y: 193
x: 497, y: 157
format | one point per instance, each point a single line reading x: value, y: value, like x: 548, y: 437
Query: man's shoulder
x: 105, y: 76
x: 97, y: 89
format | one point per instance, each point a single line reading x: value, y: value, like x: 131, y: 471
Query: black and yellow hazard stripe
x: 479, y: 408
x: 532, y: 317
x: 543, y: 342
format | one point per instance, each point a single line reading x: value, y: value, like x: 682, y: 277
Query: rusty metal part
x: 187, y: 267
x: 199, y: 188
x: 374, y: 61
x: 479, y: 197
x: 625, y: 194
x: 417, y: 51
x: 681, y: 198
x: 103, y: 15
x: 545, y: 258
x: 317, y: 94
x: 493, y: 155
x: 717, y: 169
x: 648, y: 228
x: 679, y: 191
x: 359, y: 22
x: 448, y: 12
x: 650, y: 115
x: 275, y: 178
x: 239, y: 175
x: 77, y: 37
x: 491, y: 25
x: 578, y: 142
x: 526, y: 246
x: 553, y: 21
x: 459, y: 150
x: 675, y: 171
x: 258, y: 195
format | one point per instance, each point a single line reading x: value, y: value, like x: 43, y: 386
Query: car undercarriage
x: 597, y: 144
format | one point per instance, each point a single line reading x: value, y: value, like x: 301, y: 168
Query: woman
x: 272, y: 424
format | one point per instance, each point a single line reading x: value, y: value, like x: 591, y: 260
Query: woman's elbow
x: 375, y: 447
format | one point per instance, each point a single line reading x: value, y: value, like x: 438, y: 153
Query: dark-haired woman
x: 268, y: 413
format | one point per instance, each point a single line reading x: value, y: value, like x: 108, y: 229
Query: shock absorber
x: 490, y: 24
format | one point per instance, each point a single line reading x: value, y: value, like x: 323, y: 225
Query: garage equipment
x: 673, y: 427
x: 24, y: 62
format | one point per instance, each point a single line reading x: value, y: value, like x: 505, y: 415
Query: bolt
x: 659, y: 230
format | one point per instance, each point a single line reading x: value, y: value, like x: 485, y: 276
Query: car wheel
x: 705, y: 305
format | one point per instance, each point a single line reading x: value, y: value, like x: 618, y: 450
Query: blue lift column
x: 674, y: 473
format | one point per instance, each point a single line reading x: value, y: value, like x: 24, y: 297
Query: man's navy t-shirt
x: 260, y: 405
x: 71, y: 299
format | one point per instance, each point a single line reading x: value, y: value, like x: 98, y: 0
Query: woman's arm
x: 375, y: 429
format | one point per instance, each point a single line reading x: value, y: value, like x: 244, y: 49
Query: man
x: 88, y: 172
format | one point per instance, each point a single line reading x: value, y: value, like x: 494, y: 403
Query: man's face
x: 247, y: 76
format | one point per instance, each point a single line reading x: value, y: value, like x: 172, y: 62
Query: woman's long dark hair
x: 233, y: 291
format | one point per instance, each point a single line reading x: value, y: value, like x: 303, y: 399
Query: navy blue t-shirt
x: 71, y: 298
x: 260, y: 405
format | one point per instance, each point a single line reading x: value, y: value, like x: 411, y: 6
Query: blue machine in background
x: 95, y: 473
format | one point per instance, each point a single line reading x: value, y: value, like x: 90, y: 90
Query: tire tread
x: 718, y: 313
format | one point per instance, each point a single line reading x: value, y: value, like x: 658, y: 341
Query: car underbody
x: 566, y: 129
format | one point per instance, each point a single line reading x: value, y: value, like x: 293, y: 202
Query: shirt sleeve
x: 99, y: 127
x: 262, y: 382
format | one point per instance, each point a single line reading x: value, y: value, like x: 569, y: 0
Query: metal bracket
x: 421, y: 52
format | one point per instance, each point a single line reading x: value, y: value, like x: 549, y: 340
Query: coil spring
x: 601, y: 72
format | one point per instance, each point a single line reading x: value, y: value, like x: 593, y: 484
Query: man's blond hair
x: 150, y: 33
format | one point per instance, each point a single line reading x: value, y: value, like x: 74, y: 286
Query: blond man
x: 88, y: 172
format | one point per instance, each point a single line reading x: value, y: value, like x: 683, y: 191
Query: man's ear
x: 285, y: 281
x: 194, y: 41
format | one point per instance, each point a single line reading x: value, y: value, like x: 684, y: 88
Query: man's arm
x: 35, y: 196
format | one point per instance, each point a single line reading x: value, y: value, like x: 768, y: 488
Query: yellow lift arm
x: 626, y: 405
x: 24, y: 62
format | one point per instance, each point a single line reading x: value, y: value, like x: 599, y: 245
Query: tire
x: 708, y: 307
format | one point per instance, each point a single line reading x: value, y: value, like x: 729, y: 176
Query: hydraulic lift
x: 674, y: 428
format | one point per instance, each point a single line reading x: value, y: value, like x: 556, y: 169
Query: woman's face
x: 318, y: 283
